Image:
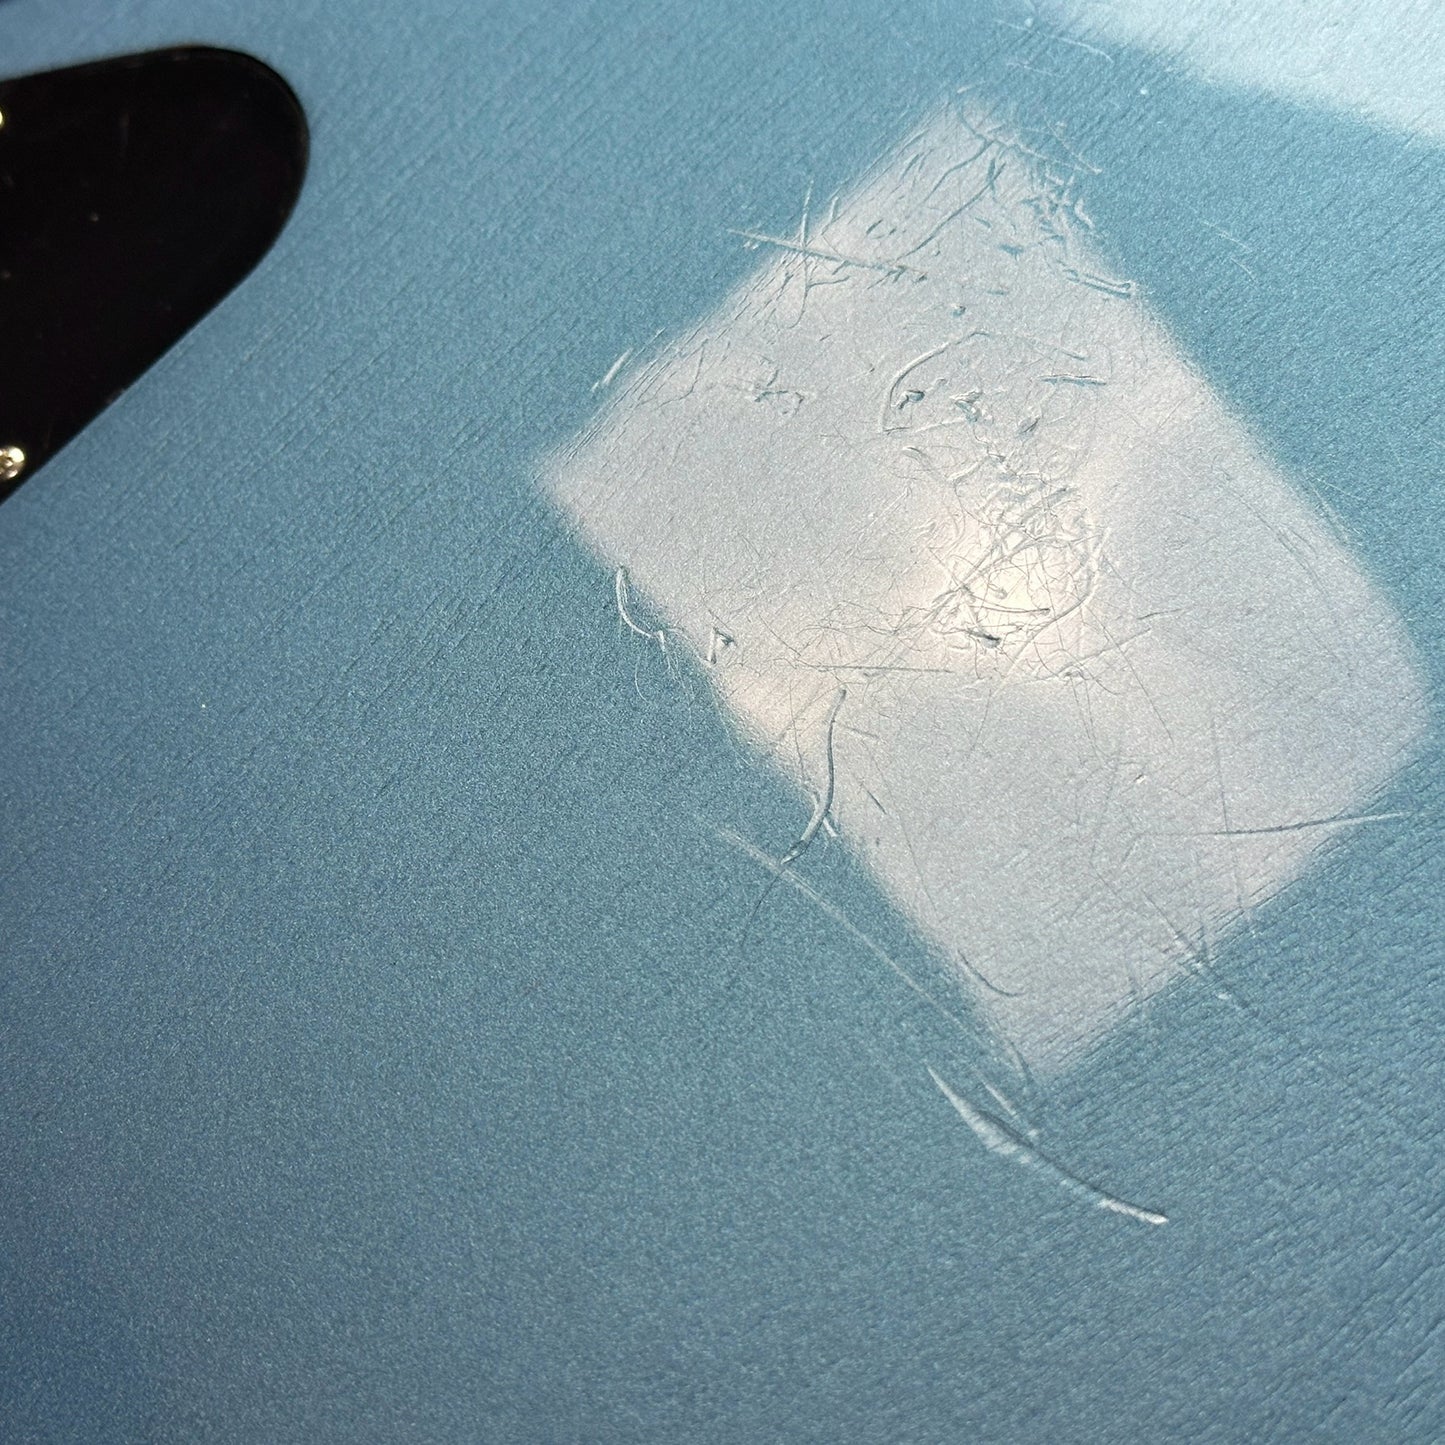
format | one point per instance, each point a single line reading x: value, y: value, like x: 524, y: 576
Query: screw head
x: 12, y: 463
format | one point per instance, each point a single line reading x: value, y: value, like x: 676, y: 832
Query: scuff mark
x: 717, y: 638
x: 1109, y: 285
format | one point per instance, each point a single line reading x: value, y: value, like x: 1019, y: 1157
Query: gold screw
x: 12, y: 463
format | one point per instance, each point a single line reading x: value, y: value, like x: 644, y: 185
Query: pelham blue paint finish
x: 381, y: 1054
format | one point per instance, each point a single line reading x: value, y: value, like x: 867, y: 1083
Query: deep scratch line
x: 888, y: 268
x: 998, y: 1138
x: 620, y: 587
x: 1339, y: 820
x: 824, y: 805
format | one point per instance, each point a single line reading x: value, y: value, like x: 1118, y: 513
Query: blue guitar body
x: 392, y: 1044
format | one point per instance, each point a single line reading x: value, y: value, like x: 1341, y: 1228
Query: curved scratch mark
x: 999, y: 1139
x: 824, y: 806
x: 657, y: 635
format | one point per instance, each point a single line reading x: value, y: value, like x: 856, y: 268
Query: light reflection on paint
x: 1110, y: 684
x: 1383, y: 61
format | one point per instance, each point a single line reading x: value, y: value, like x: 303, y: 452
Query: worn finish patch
x: 970, y: 552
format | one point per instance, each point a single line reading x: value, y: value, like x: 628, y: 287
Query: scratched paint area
x: 1382, y: 62
x: 973, y: 556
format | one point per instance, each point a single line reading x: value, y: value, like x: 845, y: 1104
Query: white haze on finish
x: 1384, y: 61
x: 971, y: 553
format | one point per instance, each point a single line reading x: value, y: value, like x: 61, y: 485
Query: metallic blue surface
x: 380, y: 1060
